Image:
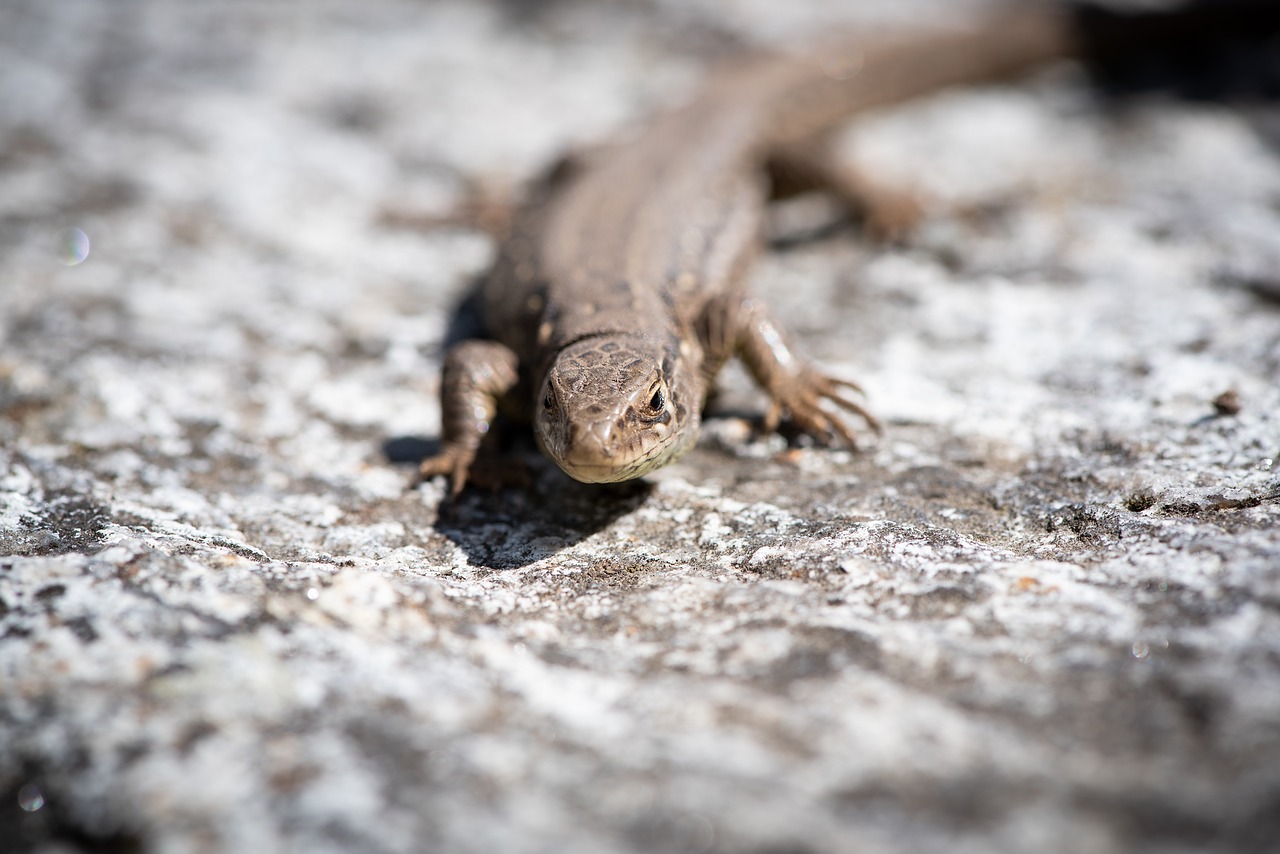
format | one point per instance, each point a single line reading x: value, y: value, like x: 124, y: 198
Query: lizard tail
x: 801, y: 99
x: 855, y: 75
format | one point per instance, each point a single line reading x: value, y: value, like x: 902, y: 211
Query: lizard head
x: 613, y: 408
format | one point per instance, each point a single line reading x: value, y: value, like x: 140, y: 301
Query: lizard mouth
x: 594, y: 454
x: 615, y: 471
x: 607, y: 452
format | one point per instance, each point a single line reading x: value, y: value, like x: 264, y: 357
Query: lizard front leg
x: 477, y: 374
x: 742, y: 326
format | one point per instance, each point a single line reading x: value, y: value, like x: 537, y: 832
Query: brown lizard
x: 618, y: 294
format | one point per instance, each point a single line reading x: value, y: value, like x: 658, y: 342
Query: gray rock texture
x: 1041, y: 613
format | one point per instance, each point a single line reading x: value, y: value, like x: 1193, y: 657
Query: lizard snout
x: 599, y: 452
x: 595, y: 442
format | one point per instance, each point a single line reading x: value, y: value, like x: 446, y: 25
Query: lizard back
x: 641, y: 234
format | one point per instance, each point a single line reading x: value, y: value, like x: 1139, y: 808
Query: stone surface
x: 1041, y: 613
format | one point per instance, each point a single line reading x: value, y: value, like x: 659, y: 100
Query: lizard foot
x: 476, y: 375
x: 483, y: 469
x: 454, y: 462
x: 801, y: 403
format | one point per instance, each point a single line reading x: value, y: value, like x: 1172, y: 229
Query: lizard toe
x: 454, y: 462
x: 803, y: 404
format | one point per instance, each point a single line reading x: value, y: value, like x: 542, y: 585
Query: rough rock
x: 1041, y: 613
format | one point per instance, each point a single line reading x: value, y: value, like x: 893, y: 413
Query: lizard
x: 618, y: 293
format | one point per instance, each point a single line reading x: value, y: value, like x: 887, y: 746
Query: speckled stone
x: 1042, y: 613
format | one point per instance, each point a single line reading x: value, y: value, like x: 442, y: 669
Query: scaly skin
x: 618, y: 294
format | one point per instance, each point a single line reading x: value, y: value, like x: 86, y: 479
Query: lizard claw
x: 802, y: 400
x: 463, y: 467
x: 454, y: 462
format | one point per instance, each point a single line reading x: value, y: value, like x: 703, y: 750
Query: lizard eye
x: 657, y: 401
x: 549, y: 401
